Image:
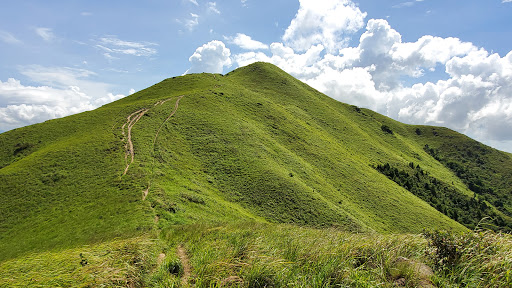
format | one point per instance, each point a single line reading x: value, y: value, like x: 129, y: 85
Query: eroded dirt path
x: 176, y: 105
x: 131, y: 120
x: 160, y: 259
x: 182, y: 254
x: 145, y: 194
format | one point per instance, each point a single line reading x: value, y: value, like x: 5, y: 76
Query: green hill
x: 255, y: 145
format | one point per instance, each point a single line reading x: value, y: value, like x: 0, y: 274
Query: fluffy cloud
x: 323, y: 22
x: 476, y: 99
x: 429, y: 50
x: 381, y: 46
x: 244, y: 59
x: 212, y: 57
x: 113, y: 45
x: 22, y: 105
x: 246, y: 42
x: 354, y: 85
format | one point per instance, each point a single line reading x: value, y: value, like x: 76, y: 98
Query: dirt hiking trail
x: 131, y: 120
x: 168, y: 117
x: 182, y: 254
x: 176, y: 106
x: 129, y: 144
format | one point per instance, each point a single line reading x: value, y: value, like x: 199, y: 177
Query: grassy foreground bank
x: 273, y: 255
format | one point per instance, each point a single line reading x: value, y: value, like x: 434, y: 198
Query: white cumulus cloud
x: 246, y: 42
x: 327, y: 22
x: 64, y: 91
x: 212, y: 57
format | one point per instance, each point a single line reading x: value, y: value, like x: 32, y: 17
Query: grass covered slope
x: 253, y: 145
x: 287, y: 153
x: 63, y: 189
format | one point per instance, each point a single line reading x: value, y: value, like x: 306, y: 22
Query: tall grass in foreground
x: 481, y: 259
x: 263, y: 255
x: 273, y: 255
x: 117, y: 263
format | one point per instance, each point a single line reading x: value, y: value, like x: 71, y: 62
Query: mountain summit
x: 253, y: 145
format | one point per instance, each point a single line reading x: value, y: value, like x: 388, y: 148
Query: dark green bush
x: 447, y: 247
x: 174, y: 267
x: 193, y: 198
x: 386, y: 129
x: 20, y: 147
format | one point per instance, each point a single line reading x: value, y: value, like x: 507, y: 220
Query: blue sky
x: 446, y: 63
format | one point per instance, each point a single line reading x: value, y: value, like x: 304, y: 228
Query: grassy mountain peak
x: 254, y: 145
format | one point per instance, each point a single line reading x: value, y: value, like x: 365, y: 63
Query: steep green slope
x: 64, y: 189
x: 253, y: 145
x: 287, y: 153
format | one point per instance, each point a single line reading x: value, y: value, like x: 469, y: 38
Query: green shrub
x: 447, y: 248
x: 473, y: 259
x: 386, y: 129
x: 193, y: 198
x: 173, y: 266
x: 20, y: 147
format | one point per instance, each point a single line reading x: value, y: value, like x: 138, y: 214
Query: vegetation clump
x: 386, y: 129
x: 20, y: 147
x: 481, y: 169
x: 468, y: 211
x: 471, y: 259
